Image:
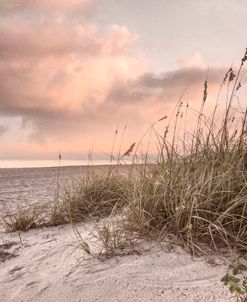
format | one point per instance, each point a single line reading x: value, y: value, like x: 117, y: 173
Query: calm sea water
x: 22, y: 186
x: 13, y: 163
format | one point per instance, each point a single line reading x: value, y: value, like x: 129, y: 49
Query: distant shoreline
x: 97, y: 163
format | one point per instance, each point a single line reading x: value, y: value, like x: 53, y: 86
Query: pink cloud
x: 72, y: 85
x: 37, y: 38
x: 62, y: 72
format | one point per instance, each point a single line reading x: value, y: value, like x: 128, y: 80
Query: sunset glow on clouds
x: 66, y: 82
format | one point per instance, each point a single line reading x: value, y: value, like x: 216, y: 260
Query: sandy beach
x: 50, y: 266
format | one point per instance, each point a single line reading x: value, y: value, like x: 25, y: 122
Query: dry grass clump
x: 4, y: 253
x: 95, y: 196
x: 116, y: 239
x: 23, y: 219
x: 201, y: 200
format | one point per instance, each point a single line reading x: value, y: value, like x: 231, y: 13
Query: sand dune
x: 50, y: 267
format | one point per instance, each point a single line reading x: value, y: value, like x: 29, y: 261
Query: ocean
x: 24, y: 186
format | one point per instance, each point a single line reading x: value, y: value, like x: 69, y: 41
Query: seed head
x: 244, y: 58
x: 162, y: 118
x: 226, y: 75
x: 128, y: 152
x: 239, y: 86
x: 231, y: 76
x: 205, y: 92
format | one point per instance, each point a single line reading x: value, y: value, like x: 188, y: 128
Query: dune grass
x: 5, y: 254
x: 96, y: 196
x: 202, y: 199
x: 195, y: 189
x: 23, y: 219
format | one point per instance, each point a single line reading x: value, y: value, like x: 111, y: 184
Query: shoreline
x: 56, y: 165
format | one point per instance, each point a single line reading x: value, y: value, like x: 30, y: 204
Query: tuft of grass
x: 115, y: 239
x: 4, y: 254
x: 201, y: 199
x: 23, y: 219
x: 96, y: 196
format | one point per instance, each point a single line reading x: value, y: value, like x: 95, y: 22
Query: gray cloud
x: 166, y: 86
x: 180, y: 78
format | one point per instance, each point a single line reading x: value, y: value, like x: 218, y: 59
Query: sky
x: 74, y: 71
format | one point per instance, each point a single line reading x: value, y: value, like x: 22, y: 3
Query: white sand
x: 49, y: 268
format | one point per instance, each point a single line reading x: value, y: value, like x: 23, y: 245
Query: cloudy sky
x: 72, y: 71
